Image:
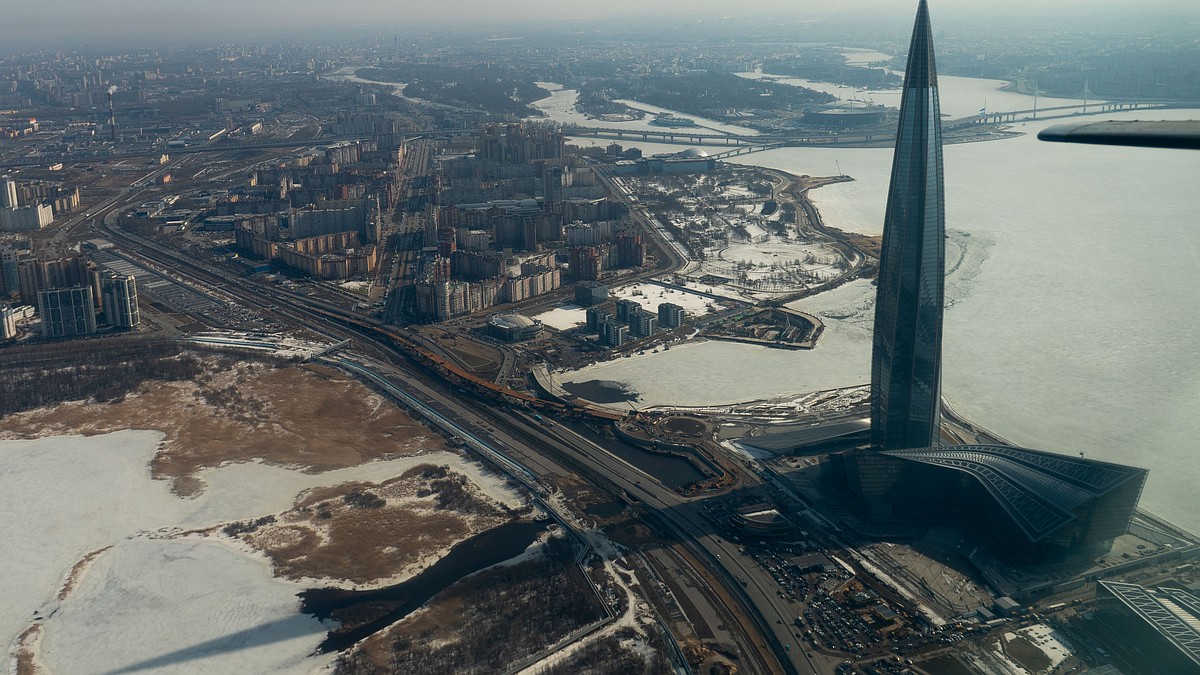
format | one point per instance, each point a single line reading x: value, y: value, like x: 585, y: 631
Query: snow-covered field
x: 649, y: 295
x: 702, y: 122
x: 718, y: 372
x: 65, y: 497
x: 186, y: 605
x: 560, y: 107
x: 564, y: 317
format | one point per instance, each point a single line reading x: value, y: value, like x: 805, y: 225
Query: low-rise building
x: 588, y: 293
x: 514, y: 327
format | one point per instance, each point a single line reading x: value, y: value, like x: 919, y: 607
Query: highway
x: 534, y: 452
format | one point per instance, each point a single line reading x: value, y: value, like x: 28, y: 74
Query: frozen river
x: 1071, y: 320
x: 154, y: 598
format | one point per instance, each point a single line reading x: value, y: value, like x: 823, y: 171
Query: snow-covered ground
x: 187, y: 605
x: 1050, y: 641
x: 560, y: 107
x: 67, y: 496
x: 564, y: 317
x: 1041, y: 636
x: 649, y: 295
x: 717, y: 372
x: 357, y: 286
x: 703, y: 122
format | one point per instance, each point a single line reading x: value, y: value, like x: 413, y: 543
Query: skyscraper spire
x: 907, y: 353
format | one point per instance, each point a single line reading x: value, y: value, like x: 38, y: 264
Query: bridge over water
x: 1056, y: 112
x: 739, y: 144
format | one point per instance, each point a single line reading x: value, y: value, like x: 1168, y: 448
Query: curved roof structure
x: 1039, y: 490
x: 1173, y: 612
x: 512, y: 321
x: 851, y: 107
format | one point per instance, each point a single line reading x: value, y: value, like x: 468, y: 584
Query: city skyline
x: 72, y: 23
x: 543, y: 339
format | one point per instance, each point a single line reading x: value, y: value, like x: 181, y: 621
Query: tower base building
x: 1031, y: 506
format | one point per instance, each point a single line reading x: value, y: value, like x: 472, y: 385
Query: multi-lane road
x: 739, y: 591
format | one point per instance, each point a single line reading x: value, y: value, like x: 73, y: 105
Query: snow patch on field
x: 66, y: 496
x: 648, y: 295
x: 181, y: 606
x: 564, y: 317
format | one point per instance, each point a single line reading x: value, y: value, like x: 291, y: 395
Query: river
x: 369, y: 612
x: 1071, y: 323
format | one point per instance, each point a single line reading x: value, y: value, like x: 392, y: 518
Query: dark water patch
x: 605, y: 509
x: 601, y: 391
x: 364, y: 613
x: 670, y: 470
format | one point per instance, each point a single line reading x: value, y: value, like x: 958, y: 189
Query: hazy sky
x: 59, y: 22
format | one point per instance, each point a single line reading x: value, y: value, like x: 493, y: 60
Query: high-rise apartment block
x: 67, y: 312
x: 10, y: 194
x: 626, y: 309
x: 670, y: 315
x: 120, y: 301
x: 643, y: 323
x: 596, y: 316
x: 520, y: 143
x: 588, y: 293
x: 8, y: 323
x: 613, y: 334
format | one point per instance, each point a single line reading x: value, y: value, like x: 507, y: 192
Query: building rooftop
x: 788, y: 441
x: 1040, y: 490
x: 512, y: 321
x: 1173, y: 612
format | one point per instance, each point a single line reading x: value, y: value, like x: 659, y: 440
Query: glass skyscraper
x: 907, y: 354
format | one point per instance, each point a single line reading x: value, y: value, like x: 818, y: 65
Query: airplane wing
x: 1164, y: 134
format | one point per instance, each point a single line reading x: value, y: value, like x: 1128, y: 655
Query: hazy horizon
x: 74, y: 23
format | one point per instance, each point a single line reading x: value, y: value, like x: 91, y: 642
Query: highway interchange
x: 740, y: 594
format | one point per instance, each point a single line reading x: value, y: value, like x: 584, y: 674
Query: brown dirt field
x: 631, y: 534
x: 325, y: 536
x: 301, y: 416
x: 870, y: 244
x: 477, y: 357
x: 25, y: 650
x: 437, y: 620
x: 1024, y: 652
x: 76, y: 570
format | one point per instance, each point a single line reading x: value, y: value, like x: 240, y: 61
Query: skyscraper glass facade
x: 906, y: 358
